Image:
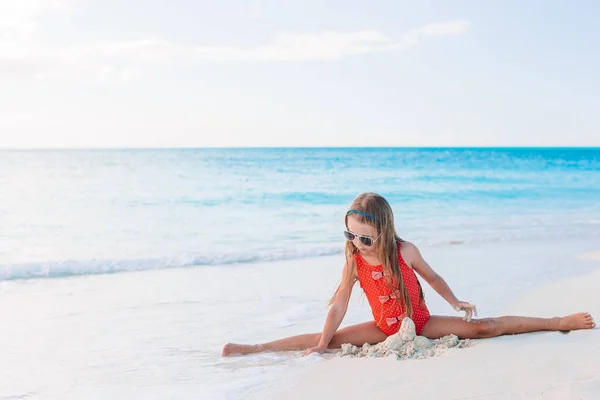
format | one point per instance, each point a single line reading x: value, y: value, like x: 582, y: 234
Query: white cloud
x: 19, y: 17
x: 124, y: 60
x: 328, y: 45
x: 20, y: 33
x: 448, y: 28
x: 300, y: 47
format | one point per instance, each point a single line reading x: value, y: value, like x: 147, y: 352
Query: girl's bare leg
x: 357, y: 335
x: 439, y: 326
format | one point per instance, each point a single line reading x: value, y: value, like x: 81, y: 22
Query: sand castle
x: 406, y: 345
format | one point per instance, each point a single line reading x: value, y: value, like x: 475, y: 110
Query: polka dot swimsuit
x: 387, y: 311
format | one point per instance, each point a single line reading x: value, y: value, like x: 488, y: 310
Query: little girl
x: 385, y: 266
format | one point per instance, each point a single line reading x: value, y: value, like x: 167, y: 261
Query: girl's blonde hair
x: 380, y: 216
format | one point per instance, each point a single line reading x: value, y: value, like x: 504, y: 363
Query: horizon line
x: 282, y: 147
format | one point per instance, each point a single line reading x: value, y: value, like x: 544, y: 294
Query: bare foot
x: 231, y: 349
x: 576, y: 321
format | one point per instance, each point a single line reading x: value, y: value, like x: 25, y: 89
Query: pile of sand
x: 405, y: 345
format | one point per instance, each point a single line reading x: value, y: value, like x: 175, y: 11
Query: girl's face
x: 362, y: 236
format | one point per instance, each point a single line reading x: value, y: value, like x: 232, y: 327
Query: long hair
x: 386, y: 246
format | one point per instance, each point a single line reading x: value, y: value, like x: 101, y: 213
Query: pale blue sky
x: 90, y: 73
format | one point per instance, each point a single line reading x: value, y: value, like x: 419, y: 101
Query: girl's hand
x: 468, y: 308
x: 316, y: 349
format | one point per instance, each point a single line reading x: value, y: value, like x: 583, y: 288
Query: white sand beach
x: 545, y: 365
x: 159, y: 334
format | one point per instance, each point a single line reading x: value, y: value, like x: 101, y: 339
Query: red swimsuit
x: 388, y: 312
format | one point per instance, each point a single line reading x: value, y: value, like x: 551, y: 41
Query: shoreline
x: 547, y: 365
x: 38, y: 270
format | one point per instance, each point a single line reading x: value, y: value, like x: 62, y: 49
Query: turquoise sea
x: 83, y: 212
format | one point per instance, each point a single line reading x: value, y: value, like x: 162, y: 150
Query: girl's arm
x: 335, y: 315
x: 437, y: 282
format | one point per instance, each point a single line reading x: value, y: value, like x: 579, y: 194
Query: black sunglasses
x: 365, y: 240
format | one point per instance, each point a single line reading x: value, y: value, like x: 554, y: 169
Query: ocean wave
x: 68, y: 268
